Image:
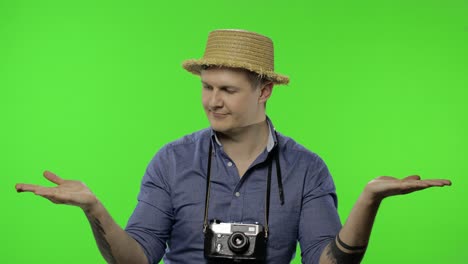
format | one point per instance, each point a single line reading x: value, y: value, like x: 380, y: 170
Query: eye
x: 206, y: 87
x: 230, y: 90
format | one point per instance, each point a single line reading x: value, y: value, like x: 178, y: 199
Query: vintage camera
x: 235, y: 241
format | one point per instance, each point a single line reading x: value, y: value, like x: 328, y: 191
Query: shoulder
x: 179, y: 152
x: 188, y: 142
x: 308, y: 166
x: 294, y: 152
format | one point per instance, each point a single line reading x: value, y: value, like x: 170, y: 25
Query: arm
x: 115, y: 245
x: 357, y: 229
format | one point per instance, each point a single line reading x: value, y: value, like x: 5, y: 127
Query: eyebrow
x: 222, y: 87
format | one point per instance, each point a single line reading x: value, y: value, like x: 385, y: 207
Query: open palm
x: 66, y: 192
x: 385, y: 186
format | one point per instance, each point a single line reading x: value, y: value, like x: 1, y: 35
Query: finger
x: 46, y: 191
x: 412, y: 186
x: 53, y: 178
x: 36, y: 189
x: 52, y: 198
x: 412, y: 177
x: 438, y: 182
x: 58, y: 198
x: 428, y: 183
x: 22, y: 187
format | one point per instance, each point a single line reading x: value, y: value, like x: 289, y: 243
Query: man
x: 240, y: 170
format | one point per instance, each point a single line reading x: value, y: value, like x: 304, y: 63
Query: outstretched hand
x: 385, y: 186
x: 66, y: 192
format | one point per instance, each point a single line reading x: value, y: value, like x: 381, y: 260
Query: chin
x: 219, y: 124
x: 219, y: 127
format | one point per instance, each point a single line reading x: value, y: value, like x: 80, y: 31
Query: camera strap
x: 273, y: 155
x: 208, y: 185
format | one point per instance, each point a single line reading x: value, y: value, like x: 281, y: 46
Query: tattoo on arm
x: 336, y: 256
x: 329, y: 254
x: 99, y: 235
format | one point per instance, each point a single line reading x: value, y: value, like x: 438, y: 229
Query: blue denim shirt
x: 168, y: 219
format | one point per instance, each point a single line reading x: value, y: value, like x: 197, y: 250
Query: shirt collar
x: 272, y: 140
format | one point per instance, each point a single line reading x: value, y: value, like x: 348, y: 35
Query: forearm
x: 355, y: 233
x: 357, y: 229
x: 115, y: 245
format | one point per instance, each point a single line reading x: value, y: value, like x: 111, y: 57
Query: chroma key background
x: 92, y: 89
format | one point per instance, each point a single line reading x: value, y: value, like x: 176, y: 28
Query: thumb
x: 412, y: 178
x: 53, y: 178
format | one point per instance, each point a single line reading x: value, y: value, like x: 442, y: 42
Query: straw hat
x: 238, y: 49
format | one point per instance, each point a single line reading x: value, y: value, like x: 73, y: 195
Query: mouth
x: 218, y: 115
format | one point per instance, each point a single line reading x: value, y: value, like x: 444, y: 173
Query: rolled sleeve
x: 319, y: 221
x: 151, y: 221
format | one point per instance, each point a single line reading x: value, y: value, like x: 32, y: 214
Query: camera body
x: 235, y: 241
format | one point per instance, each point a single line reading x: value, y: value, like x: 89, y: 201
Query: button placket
x: 237, y: 206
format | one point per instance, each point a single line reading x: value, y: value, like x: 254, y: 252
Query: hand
x: 66, y: 192
x: 386, y: 186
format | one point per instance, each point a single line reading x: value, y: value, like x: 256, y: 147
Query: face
x: 229, y: 100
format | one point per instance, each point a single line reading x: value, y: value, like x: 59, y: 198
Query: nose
x: 216, y: 100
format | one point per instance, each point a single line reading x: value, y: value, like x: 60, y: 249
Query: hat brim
x: 196, y: 66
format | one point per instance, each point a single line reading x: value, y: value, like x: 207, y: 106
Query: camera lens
x: 238, y: 242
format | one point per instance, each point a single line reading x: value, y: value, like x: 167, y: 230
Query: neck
x: 245, y: 143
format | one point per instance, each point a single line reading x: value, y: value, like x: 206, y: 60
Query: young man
x: 240, y: 170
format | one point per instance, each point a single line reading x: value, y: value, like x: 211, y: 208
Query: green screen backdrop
x: 92, y: 89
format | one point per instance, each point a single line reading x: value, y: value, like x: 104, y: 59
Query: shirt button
x: 229, y: 164
x: 237, y: 194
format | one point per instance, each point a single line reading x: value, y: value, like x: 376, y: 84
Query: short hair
x: 255, y: 79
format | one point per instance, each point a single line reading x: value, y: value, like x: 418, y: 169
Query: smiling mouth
x: 218, y: 114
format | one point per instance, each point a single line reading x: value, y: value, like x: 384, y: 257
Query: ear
x: 265, y: 92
